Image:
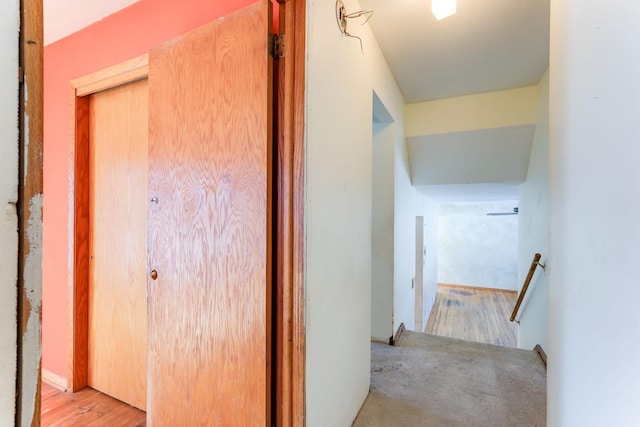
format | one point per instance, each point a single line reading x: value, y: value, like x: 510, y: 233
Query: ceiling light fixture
x: 443, y: 8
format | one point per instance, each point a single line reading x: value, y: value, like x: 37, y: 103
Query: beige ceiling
x: 487, y: 45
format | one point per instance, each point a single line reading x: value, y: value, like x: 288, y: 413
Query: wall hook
x: 342, y: 16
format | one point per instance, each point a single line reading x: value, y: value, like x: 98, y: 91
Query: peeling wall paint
x: 31, y: 348
x: 9, y: 24
x: 30, y: 216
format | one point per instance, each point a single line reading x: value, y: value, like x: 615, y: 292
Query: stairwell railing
x: 534, y: 264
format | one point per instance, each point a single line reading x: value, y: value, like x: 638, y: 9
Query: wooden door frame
x: 290, y: 395
x: 79, y: 225
x: 290, y: 254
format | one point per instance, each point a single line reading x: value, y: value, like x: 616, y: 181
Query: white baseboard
x: 54, y: 380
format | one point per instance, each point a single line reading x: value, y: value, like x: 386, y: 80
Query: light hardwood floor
x: 87, y: 407
x: 473, y: 314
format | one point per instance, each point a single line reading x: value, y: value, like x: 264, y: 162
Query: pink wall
x: 123, y: 35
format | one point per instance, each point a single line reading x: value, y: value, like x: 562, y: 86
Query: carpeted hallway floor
x: 431, y: 381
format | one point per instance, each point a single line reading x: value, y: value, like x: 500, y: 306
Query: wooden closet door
x: 209, y: 224
x: 117, y: 302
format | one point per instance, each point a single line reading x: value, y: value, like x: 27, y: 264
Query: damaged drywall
x: 9, y: 25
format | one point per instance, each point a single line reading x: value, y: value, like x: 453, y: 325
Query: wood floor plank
x: 87, y: 407
x: 473, y: 314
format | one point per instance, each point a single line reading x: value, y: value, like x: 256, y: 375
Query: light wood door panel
x: 118, y: 126
x: 209, y: 224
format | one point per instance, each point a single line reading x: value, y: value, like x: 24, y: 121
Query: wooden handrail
x: 532, y: 269
x: 538, y: 349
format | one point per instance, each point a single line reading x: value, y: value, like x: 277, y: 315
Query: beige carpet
x: 435, y: 381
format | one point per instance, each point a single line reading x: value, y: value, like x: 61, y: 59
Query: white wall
x: 382, y: 232
x: 475, y: 249
x: 338, y: 217
x: 396, y: 203
x: 533, y: 231
x: 9, y: 24
x: 431, y: 213
x: 407, y: 205
x: 407, y: 201
x: 594, y: 149
x: 339, y: 180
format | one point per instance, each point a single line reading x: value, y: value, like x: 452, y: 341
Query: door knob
x: 154, y: 275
